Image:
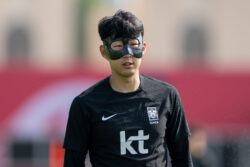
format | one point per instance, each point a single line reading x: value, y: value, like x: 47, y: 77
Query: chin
x: 128, y: 73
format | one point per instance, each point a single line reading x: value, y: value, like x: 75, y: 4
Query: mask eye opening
x: 117, y: 45
x: 134, y: 43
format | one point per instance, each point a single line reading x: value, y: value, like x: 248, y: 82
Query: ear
x: 102, y: 51
x: 144, y: 48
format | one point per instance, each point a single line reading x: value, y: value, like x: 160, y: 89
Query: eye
x: 117, y: 45
x: 133, y: 43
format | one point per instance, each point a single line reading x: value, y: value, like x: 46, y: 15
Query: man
x: 127, y: 119
x: 201, y: 155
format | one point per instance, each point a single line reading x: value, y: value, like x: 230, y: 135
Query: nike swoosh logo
x: 107, y: 118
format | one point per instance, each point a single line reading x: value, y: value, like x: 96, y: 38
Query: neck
x: 125, y: 84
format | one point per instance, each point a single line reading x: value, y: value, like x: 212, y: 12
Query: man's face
x: 128, y: 64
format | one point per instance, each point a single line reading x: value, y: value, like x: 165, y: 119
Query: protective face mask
x: 115, y: 48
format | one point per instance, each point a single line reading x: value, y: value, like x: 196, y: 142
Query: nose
x: 128, y: 51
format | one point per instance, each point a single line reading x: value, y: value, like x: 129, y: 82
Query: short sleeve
x: 177, y: 126
x: 78, y: 127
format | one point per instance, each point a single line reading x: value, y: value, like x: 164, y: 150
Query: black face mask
x: 115, y: 48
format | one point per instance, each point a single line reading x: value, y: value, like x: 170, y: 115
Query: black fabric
x: 73, y: 159
x: 129, y: 129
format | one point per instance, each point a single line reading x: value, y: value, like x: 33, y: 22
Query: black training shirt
x: 128, y: 129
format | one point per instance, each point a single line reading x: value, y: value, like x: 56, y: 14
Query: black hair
x: 121, y: 24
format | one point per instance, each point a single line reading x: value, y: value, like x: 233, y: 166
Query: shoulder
x: 154, y: 85
x: 95, y: 91
x: 158, y: 90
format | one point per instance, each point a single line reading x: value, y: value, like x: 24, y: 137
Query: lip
x: 128, y: 65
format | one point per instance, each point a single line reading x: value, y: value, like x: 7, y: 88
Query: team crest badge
x: 153, y: 115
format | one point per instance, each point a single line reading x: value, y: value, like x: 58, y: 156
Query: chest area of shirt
x: 112, y: 119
